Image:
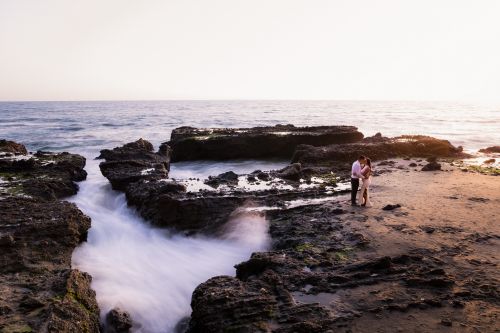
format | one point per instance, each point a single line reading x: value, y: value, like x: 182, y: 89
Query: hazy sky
x: 253, y: 49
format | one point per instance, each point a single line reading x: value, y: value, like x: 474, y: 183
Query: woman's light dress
x: 365, y: 186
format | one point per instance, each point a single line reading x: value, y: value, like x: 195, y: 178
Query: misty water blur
x: 150, y: 272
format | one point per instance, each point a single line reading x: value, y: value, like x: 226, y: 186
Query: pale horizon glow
x: 235, y: 49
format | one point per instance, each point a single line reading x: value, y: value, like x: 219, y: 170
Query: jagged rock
x: 291, y: 172
x: 118, y: 321
x: 12, y: 147
x: 133, y: 162
x: 411, y: 146
x: 165, y: 204
x: 44, y: 175
x: 490, y: 150
x: 226, y: 178
x: 35, y: 262
x: 189, y: 143
x: 224, y: 303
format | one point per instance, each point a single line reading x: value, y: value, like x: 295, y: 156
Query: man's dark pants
x: 354, y: 189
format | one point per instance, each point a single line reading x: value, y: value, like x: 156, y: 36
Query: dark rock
x: 224, y: 303
x: 478, y: 199
x: 279, y: 141
x: 226, y: 178
x: 12, y: 147
x: 291, y: 172
x: 490, y: 161
x: 27, y: 263
x: 118, y: 321
x: 432, y: 166
x: 411, y: 146
x: 165, y: 204
x: 446, y: 322
x: 376, y: 138
x: 44, y: 175
x: 133, y: 162
x: 391, y: 207
x: 412, y: 165
x: 490, y: 150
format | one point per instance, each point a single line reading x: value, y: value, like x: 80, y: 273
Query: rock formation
x: 38, y: 233
x: 189, y: 143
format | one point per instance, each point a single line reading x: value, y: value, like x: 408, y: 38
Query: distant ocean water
x: 91, y: 126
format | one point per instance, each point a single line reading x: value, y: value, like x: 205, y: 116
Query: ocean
x: 91, y: 126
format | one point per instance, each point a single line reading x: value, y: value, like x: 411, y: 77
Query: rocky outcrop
x: 378, y: 148
x: 280, y: 141
x: 166, y: 204
x: 133, y: 162
x: 42, y: 175
x: 39, y: 288
x: 490, y: 150
x: 38, y: 233
x: 11, y: 147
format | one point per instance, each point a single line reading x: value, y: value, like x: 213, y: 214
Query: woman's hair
x: 369, y: 162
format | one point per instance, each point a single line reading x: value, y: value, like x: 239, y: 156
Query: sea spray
x: 150, y: 272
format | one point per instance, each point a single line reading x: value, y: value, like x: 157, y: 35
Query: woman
x: 364, y: 194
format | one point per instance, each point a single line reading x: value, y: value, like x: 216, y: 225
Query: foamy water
x: 150, y: 272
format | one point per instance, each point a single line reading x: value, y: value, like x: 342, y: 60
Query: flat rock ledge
x: 377, y: 148
x: 280, y: 141
x: 39, y: 291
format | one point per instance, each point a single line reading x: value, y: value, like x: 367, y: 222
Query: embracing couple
x: 361, y: 169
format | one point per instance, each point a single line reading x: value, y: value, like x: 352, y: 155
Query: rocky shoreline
x: 40, y: 292
x: 331, y: 267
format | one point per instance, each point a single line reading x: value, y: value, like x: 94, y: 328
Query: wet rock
x: 118, y: 321
x: 12, y: 147
x: 279, y: 141
x: 224, y: 303
x: 490, y: 150
x: 35, y: 262
x: 412, y: 165
x: 133, y: 162
x: 391, y: 206
x: 291, y: 172
x: 226, y: 178
x: 166, y: 205
x: 43, y: 175
x: 489, y: 161
x: 411, y: 146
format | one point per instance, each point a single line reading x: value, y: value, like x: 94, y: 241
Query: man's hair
x: 361, y: 157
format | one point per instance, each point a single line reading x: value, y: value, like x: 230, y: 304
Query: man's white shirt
x: 356, y: 170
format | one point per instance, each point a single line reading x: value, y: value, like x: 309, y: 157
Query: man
x: 355, y: 176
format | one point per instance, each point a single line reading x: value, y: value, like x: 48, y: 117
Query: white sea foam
x: 147, y: 271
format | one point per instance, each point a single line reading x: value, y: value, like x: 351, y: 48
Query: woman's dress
x: 365, y: 186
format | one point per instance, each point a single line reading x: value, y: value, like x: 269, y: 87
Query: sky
x: 252, y: 49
